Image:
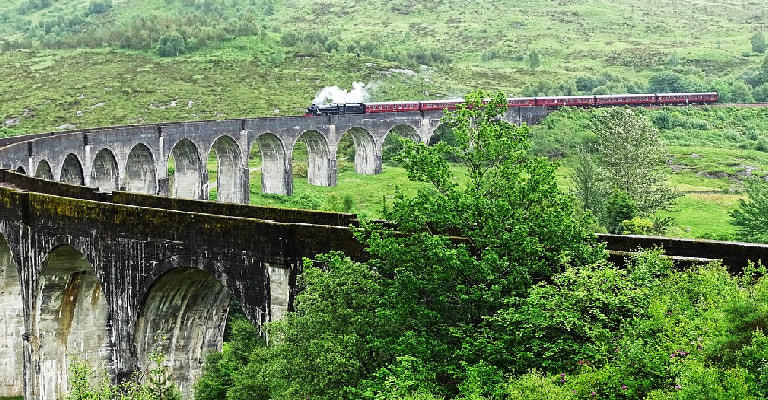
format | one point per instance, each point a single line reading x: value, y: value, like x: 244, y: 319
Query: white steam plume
x: 333, y: 94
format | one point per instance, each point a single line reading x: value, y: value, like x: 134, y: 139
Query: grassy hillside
x: 86, y: 63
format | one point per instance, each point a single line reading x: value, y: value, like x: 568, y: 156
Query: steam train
x: 611, y: 100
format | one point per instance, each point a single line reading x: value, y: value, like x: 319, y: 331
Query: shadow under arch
x: 140, y: 171
x: 43, y: 170
x: 104, y: 172
x: 21, y: 170
x: 183, y: 316
x: 72, y: 318
x: 391, y: 144
x: 275, y: 175
x: 187, y: 178
x: 229, y: 170
x: 319, y: 169
x: 12, y: 325
x: 366, y: 160
x: 72, y: 170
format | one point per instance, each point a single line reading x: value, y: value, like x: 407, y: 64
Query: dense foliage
x: 420, y: 305
x: 625, y: 176
x: 751, y: 217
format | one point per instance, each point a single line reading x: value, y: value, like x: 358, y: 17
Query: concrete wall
x: 111, y: 282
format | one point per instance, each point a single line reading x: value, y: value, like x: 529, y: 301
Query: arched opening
x: 21, y: 170
x: 275, y: 176
x: 43, y: 170
x: 183, y: 316
x: 254, y: 170
x: 312, y: 156
x: 140, y: 173
x: 392, y: 145
x: 12, y: 326
x: 72, y: 171
x: 357, y: 145
x: 225, y: 171
x: 444, y: 133
x: 187, y: 178
x: 72, y: 319
x: 104, y: 174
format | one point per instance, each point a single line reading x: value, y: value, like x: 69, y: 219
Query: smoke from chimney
x: 334, y: 94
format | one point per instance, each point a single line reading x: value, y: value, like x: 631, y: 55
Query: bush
x: 170, y: 45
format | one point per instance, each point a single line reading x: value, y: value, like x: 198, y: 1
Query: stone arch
x: 20, y: 169
x: 187, y: 178
x: 12, y: 326
x: 72, y: 318
x: 140, y: 171
x: 43, y: 170
x: 104, y: 172
x: 391, y: 144
x: 183, y: 316
x: 321, y: 167
x: 229, y: 170
x: 366, y: 159
x: 275, y: 170
x: 72, y: 170
x: 442, y: 132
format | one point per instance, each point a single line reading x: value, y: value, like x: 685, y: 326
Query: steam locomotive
x: 612, y: 100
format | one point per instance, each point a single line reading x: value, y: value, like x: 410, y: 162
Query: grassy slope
x: 47, y: 89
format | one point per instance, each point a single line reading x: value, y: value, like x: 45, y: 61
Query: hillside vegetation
x: 69, y: 64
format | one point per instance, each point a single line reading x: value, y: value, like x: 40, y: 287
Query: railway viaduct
x: 105, y: 256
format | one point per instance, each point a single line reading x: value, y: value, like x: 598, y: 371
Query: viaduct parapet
x: 106, y: 256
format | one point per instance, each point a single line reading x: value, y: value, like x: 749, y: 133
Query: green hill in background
x: 68, y: 64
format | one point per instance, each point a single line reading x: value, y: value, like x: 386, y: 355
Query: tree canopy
x: 462, y: 248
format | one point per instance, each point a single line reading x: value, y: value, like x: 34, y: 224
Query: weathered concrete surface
x: 112, y: 282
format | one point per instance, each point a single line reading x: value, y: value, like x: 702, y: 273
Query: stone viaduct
x: 97, y: 262
x: 105, y: 256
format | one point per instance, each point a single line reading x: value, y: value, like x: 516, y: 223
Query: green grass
x: 698, y: 215
x: 480, y: 46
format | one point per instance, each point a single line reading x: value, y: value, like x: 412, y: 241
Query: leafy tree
x: 758, y: 42
x: 534, y: 61
x: 406, y: 323
x: 631, y: 159
x: 751, y: 217
x: 153, y: 384
x: 170, y: 45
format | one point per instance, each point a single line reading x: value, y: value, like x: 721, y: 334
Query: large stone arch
x: 72, y: 170
x: 405, y: 131
x: 229, y: 170
x: 43, y: 170
x: 140, y: 171
x: 321, y: 165
x: 391, y: 144
x: 187, y: 179
x: 104, y: 172
x: 183, y: 316
x: 275, y: 170
x: 12, y: 326
x: 367, y: 161
x: 71, y: 320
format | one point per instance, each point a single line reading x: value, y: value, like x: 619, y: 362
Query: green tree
x: 407, y: 323
x: 758, y: 43
x: 170, y: 45
x: 534, y: 61
x: 751, y: 217
x: 631, y: 159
